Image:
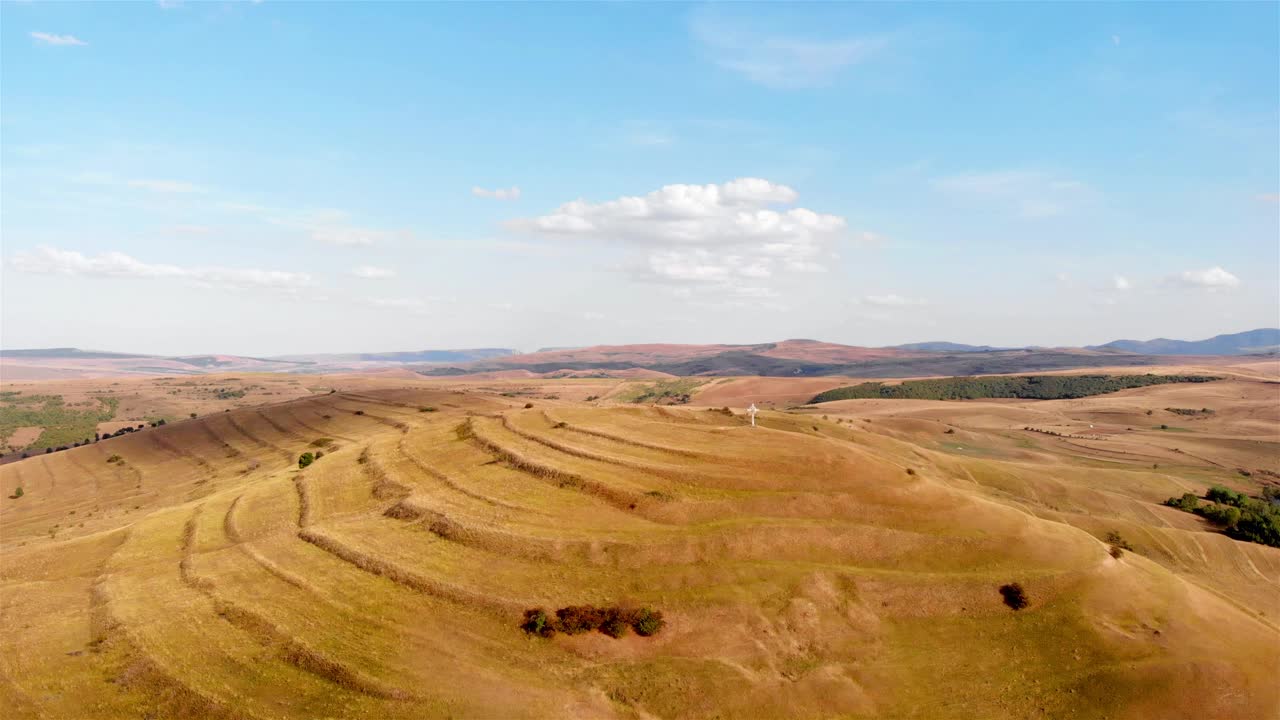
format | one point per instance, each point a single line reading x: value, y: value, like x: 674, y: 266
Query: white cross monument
x: 752, y: 412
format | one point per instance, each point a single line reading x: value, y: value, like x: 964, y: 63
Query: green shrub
x: 17, y: 493
x: 114, y: 459
x: 1187, y: 503
x: 537, y: 623
x: 306, y: 459
x: 1225, y: 515
x: 426, y: 408
x: 647, y: 622
x: 1220, y: 494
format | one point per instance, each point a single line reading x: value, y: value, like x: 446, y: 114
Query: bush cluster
x: 576, y: 619
x: 306, y: 459
x: 1240, y: 516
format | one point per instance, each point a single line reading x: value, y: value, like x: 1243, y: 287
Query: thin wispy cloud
x: 370, y: 272
x: 776, y: 60
x: 415, y: 306
x: 1027, y: 193
x: 511, y: 193
x: 334, y: 227
x: 53, y: 261
x: 892, y: 300
x: 164, y: 186
x: 53, y: 39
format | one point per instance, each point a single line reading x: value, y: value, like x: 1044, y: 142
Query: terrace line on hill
x: 1031, y: 387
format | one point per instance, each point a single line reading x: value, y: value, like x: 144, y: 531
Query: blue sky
x: 274, y: 177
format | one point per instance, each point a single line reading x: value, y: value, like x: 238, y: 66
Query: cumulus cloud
x: 52, y: 39
x: 780, y: 61
x: 892, y: 300
x: 1029, y: 194
x: 511, y: 193
x: 714, y: 234
x: 164, y: 186
x: 1120, y: 282
x: 48, y: 260
x: 1214, y: 278
x: 369, y: 272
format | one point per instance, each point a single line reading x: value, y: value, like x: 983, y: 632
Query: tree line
x: 1030, y: 387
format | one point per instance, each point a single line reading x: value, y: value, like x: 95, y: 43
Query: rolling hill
x: 848, y: 564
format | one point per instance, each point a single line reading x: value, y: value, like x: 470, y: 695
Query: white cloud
x: 370, y: 272
x: 705, y: 234
x: 47, y: 260
x: 1214, y: 278
x: 164, y: 186
x: 1030, y: 194
x: 892, y: 300
x: 1120, y: 282
x: 592, y: 316
x: 779, y: 61
x: 169, y: 4
x: 511, y: 193
x: 52, y: 39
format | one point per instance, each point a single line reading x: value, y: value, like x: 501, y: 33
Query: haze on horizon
x: 281, y: 178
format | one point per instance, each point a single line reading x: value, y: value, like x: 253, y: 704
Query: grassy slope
x: 803, y: 571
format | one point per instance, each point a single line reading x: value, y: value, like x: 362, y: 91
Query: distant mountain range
x: 786, y: 358
x: 1243, y: 343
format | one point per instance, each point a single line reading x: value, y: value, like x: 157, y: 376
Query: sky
x: 265, y: 178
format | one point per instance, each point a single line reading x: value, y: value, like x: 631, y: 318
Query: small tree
x: 17, y: 493
x: 193, y: 414
x: 1014, y: 596
x: 306, y: 459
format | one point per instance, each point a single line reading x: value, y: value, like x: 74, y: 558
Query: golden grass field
x: 841, y: 561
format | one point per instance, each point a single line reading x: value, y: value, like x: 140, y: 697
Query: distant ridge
x: 1242, y: 343
x: 940, y: 346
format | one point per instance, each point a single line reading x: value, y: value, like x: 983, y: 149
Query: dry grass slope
x: 802, y: 570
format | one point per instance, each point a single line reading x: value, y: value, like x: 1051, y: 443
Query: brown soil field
x: 838, y: 561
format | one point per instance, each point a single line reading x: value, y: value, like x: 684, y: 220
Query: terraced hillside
x: 806, y: 568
